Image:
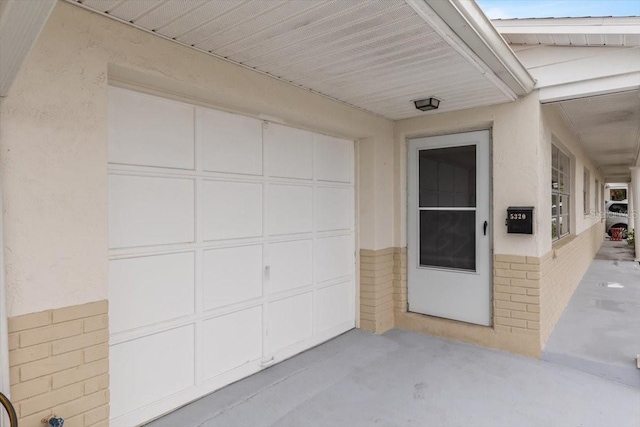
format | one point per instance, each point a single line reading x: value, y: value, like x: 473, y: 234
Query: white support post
x: 631, y: 206
x: 634, y: 212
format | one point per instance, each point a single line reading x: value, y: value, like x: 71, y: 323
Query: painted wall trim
x: 20, y: 25
x: 477, y: 36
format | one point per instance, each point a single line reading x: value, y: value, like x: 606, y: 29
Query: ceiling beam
x: 591, y: 87
x: 615, y: 63
x: 21, y: 22
x: 592, y: 26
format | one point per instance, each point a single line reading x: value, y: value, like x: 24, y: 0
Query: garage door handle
x: 267, y: 362
x: 484, y: 228
x: 267, y: 272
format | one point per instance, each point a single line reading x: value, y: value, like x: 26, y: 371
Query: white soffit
x: 375, y: 55
x: 609, y: 128
x: 588, y: 31
x: 20, y: 26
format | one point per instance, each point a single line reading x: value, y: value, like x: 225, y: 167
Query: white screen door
x: 449, y: 244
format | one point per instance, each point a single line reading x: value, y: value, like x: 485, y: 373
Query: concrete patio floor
x: 402, y: 378
x: 599, y: 331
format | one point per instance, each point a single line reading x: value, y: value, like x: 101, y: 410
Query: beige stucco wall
x: 53, y: 150
x: 534, y: 277
x: 515, y: 159
x: 566, y: 260
x: 53, y: 140
x: 555, y: 130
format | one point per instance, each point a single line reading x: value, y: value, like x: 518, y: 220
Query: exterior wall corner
x: 376, y: 289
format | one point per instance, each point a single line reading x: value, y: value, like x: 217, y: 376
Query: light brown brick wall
x: 516, y: 315
x: 561, y: 271
x: 529, y: 295
x: 376, y: 289
x: 400, y: 279
x: 59, y: 364
x: 516, y: 294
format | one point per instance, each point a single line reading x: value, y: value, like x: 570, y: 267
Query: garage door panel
x: 146, y: 211
x: 333, y: 257
x: 232, y: 275
x: 334, y: 305
x: 148, y: 369
x: 333, y: 159
x: 132, y: 280
x: 334, y: 209
x: 291, y: 265
x: 193, y: 305
x: 231, y: 341
x: 290, y: 321
x: 290, y: 209
x: 288, y: 151
x: 150, y: 131
x: 231, y: 210
x: 231, y: 143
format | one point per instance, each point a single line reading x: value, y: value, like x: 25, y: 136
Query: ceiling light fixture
x: 427, y: 104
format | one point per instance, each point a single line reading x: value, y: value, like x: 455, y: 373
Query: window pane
x: 564, y: 224
x: 585, y: 191
x: 564, y: 165
x: 448, y: 177
x: 555, y: 185
x: 563, y: 184
x: 561, y: 205
x: 554, y: 157
x: 564, y: 215
x: 448, y: 239
x: 554, y: 205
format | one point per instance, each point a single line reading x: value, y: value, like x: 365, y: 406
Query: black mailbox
x: 520, y: 219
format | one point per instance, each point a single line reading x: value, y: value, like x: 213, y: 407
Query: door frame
x: 490, y: 215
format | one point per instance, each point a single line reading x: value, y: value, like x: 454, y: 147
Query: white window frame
x: 586, y: 187
x: 596, y: 197
x: 560, y: 192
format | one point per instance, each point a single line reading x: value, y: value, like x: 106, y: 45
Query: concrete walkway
x: 599, y: 331
x: 615, y: 251
x: 406, y: 379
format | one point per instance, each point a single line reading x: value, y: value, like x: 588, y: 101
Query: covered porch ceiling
x: 589, y: 69
x: 378, y: 56
x: 609, y: 128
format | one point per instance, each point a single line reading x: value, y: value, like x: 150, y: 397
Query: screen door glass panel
x: 447, y: 203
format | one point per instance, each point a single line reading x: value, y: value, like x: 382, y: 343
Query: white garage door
x: 231, y: 248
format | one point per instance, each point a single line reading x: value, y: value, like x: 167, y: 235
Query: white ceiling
x: 609, y: 127
x: 375, y: 55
